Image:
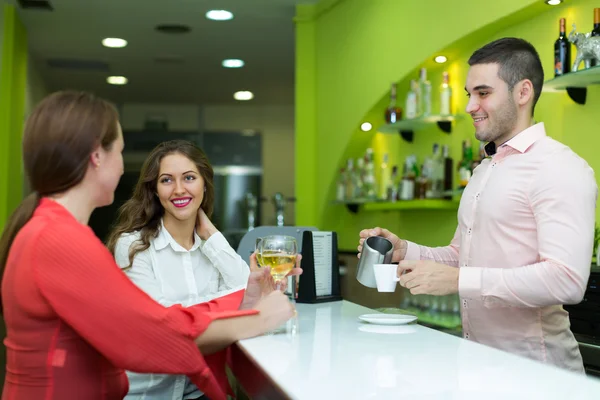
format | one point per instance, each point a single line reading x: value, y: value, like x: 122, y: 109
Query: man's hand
x: 400, y: 245
x: 428, y: 277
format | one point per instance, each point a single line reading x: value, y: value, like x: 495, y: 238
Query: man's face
x: 491, y: 104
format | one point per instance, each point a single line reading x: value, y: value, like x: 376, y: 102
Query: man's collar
x: 522, y: 141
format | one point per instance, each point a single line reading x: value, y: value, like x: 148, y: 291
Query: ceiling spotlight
x: 219, y: 15
x: 553, y: 2
x: 232, y: 63
x: 243, y: 95
x: 366, y: 127
x: 114, y: 43
x: 440, y: 59
x: 117, y: 80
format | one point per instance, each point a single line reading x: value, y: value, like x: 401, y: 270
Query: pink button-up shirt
x: 524, y: 245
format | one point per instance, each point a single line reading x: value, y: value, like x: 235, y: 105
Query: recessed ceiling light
x: 114, y: 43
x: 440, y: 59
x: 219, y: 15
x: 553, y: 2
x: 117, y: 80
x: 232, y: 63
x: 366, y: 127
x: 243, y: 95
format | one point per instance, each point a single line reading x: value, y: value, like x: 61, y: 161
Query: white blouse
x: 172, y: 275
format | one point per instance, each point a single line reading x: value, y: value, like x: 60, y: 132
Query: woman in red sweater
x: 74, y: 320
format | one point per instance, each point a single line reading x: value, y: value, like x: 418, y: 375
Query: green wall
x: 13, y: 76
x: 362, y: 47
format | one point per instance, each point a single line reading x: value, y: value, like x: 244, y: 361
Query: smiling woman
x: 167, y: 245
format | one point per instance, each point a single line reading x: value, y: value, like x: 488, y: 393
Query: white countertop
x: 336, y: 356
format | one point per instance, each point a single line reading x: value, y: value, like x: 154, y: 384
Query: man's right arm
x: 444, y: 255
x: 405, y: 250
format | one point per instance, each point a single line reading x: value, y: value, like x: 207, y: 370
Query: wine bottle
x: 562, y: 51
x: 393, y: 113
x: 596, y: 30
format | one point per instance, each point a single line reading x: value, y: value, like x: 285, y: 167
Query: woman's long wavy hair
x: 143, y: 211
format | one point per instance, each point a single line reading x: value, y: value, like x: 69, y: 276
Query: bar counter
x: 334, y: 355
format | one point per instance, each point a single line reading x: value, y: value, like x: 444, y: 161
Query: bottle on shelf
x: 465, y: 168
x: 340, y: 194
x: 393, y: 113
x: 424, y: 94
x: 562, y: 51
x: 351, y: 181
x: 411, y: 106
x: 407, y: 186
x: 596, y: 30
x: 393, y: 185
x: 384, y: 178
x: 445, y: 95
x: 448, y: 173
x: 437, y: 172
x: 369, y: 184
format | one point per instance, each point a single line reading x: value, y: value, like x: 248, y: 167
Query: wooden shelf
x: 407, y: 127
x: 575, y: 83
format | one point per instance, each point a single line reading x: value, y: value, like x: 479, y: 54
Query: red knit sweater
x: 75, y: 322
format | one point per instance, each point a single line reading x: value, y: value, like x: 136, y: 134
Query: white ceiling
x: 261, y: 33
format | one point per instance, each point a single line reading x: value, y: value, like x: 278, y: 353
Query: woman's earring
x: 204, y: 188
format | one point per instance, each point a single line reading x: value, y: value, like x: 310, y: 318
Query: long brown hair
x: 60, y: 135
x: 143, y: 211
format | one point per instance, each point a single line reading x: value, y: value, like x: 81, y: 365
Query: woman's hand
x: 204, y: 226
x: 261, y: 283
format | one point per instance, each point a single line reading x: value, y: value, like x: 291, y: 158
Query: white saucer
x: 387, y: 319
x: 387, y: 329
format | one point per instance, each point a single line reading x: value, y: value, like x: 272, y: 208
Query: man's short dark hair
x: 517, y: 60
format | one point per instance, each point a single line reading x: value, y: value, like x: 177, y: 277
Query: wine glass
x: 278, y: 252
x: 257, y: 250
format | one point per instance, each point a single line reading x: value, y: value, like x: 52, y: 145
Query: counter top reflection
x: 333, y: 355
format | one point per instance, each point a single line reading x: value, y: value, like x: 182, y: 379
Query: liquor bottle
x: 424, y: 94
x: 596, y: 30
x: 465, y: 168
x: 384, y: 178
x: 448, y: 173
x: 393, y: 113
x: 411, y: 107
x: 407, y: 187
x: 562, y: 51
x: 445, y: 95
x: 340, y: 194
x: 350, y: 181
x: 393, y: 185
x: 369, y: 183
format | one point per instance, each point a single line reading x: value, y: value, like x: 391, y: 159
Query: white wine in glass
x: 279, y: 253
x: 281, y: 264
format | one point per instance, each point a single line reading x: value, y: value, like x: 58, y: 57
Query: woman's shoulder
x: 127, y: 239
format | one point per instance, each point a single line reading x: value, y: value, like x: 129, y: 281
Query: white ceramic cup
x: 385, y: 277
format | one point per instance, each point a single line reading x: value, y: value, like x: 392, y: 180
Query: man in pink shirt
x: 526, y: 220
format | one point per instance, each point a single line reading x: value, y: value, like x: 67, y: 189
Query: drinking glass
x: 278, y: 252
x: 257, y: 249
